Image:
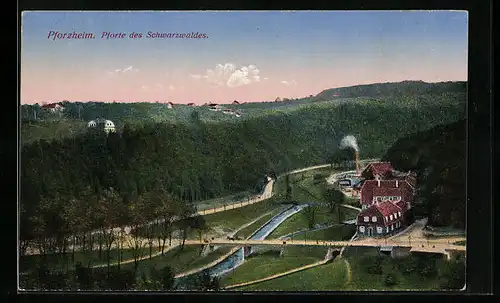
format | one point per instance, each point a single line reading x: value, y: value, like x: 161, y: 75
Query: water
x: 238, y: 257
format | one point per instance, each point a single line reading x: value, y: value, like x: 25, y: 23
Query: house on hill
x: 214, y: 107
x: 170, y: 105
x: 236, y: 102
x: 53, y: 107
x: 191, y: 104
x: 106, y: 125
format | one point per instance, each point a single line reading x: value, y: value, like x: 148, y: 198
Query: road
x: 434, y: 245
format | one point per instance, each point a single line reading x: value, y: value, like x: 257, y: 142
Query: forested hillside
x: 396, y: 89
x: 37, y: 123
x: 199, y: 159
x: 438, y: 156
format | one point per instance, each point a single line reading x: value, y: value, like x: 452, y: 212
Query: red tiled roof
x: 51, y: 105
x: 379, y: 167
x: 367, y: 190
x: 380, y: 210
x: 386, y: 191
x: 387, y: 208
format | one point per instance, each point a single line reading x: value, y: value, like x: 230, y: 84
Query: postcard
x: 243, y: 151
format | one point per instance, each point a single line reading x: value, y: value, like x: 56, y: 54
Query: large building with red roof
x: 386, y: 197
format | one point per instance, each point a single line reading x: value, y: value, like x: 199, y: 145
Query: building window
x: 395, y: 215
x: 379, y: 230
x: 399, y: 213
x: 374, y: 219
x: 387, y: 229
x: 385, y: 218
x: 390, y: 198
x: 392, y: 226
x: 366, y: 219
x: 362, y: 229
x: 390, y: 217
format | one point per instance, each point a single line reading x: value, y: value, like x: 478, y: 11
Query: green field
x: 180, y: 260
x: 362, y: 280
x: 266, y: 264
x: 299, y: 221
x: 328, y: 277
x: 54, y: 261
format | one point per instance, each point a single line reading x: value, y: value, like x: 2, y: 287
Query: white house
x: 107, y: 125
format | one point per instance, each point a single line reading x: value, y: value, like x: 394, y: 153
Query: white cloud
x: 129, y: 69
x: 228, y: 75
x: 171, y: 87
x: 266, y: 78
x: 288, y: 83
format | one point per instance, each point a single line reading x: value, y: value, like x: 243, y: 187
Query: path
x: 349, y: 271
x: 277, y: 275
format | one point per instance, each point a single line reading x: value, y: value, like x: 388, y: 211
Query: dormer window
x: 374, y: 219
x: 366, y: 219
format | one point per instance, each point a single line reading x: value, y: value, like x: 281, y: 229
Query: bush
x: 390, y: 280
x: 372, y: 265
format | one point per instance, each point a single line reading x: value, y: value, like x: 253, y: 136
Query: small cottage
x: 106, y: 125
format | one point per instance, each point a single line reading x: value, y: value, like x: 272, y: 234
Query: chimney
x: 357, y: 162
x: 378, y: 182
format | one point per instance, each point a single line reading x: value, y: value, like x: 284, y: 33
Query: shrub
x: 390, y: 280
x: 372, y: 265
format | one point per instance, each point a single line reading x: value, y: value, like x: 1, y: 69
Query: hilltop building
x: 53, y: 107
x: 106, y: 125
x: 170, y: 105
x: 386, y: 198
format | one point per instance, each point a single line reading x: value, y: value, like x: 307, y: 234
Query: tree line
x: 438, y: 156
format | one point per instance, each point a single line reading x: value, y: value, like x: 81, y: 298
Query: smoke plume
x: 349, y: 141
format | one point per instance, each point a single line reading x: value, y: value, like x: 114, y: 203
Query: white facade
x: 109, y: 126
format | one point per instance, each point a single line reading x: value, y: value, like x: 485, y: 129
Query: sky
x: 244, y: 56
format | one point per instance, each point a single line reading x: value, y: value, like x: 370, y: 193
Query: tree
x: 333, y: 197
x: 135, y: 241
x: 167, y: 278
x: 310, y: 215
x: 109, y: 213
